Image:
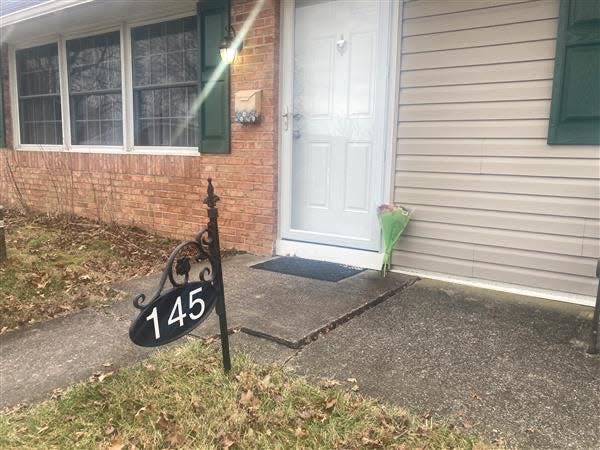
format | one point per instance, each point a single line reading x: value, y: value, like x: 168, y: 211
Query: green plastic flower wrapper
x: 393, y: 221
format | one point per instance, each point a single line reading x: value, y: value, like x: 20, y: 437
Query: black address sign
x: 174, y: 314
x: 171, y: 314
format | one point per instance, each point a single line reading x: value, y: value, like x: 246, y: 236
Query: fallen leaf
x: 368, y: 441
x: 41, y: 430
x: 139, y: 412
x: 103, y: 376
x: 355, y: 388
x: 247, y: 398
x: 163, y: 421
x: 300, y: 432
x: 109, y: 430
x: 266, y: 382
x: 305, y: 414
x: 330, y: 403
x: 176, y: 437
x: 351, y: 380
x: 227, y: 442
x: 116, y: 444
x: 78, y: 435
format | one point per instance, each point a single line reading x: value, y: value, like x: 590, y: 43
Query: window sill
x: 114, y: 150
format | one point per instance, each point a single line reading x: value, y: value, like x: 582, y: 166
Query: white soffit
x: 55, y: 17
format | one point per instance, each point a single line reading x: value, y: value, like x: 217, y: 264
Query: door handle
x: 286, y: 118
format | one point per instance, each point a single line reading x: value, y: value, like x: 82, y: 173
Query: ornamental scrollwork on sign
x: 180, y: 263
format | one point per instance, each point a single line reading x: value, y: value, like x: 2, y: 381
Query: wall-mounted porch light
x: 230, y: 47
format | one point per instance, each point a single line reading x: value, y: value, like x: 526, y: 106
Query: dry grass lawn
x: 181, y: 399
x: 60, y: 264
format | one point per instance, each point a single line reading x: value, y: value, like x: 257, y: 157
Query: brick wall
x: 164, y: 193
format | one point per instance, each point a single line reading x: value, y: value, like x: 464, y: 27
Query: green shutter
x: 575, y: 111
x: 213, y: 115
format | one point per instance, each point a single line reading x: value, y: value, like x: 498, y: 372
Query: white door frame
x: 363, y: 258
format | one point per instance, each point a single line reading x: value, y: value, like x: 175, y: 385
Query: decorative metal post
x: 3, y: 256
x: 213, y: 231
x: 593, y: 348
x: 172, y: 314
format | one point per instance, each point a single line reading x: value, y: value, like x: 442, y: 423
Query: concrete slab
x: 288, y: 309
x: 510, y: 367
x: 38, y: 359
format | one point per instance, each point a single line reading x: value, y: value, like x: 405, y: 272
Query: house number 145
x: 177, y: 309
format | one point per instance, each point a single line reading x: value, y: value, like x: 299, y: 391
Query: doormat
x: 308, y: 268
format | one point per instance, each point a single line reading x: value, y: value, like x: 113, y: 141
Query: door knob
x: 285, y: 115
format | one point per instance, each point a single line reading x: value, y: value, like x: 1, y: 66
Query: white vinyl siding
x: 493, y: 201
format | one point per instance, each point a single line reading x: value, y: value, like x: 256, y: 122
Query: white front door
x: 334, y: 131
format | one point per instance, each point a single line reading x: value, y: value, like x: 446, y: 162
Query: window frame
x: 128, y: 146
x: 148, y: 149
x: 65, y: 77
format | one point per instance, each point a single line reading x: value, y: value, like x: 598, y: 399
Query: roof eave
x: 40, y: 10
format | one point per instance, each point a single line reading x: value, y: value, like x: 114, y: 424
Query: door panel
x: 337, y: 126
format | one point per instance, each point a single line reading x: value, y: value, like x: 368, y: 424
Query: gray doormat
x: 308, y: 268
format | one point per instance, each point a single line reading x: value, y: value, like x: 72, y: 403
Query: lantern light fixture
x: 229, y: 47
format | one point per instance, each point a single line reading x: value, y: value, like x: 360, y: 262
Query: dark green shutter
x: 575, y: 111
x: 213, y: 115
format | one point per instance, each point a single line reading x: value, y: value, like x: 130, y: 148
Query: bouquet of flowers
x: 393, y: 220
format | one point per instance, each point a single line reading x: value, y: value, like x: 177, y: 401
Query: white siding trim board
x: 529, y: 291
x: 523, y: 277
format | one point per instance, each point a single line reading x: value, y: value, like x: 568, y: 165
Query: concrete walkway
x: 288, y: 310
x: 509, y: 367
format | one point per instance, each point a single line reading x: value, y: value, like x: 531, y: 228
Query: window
x: 39, y: 95
x: 164, y: 69
x: 165, y: 83
x: 94, y: 65
x: 575, y: 110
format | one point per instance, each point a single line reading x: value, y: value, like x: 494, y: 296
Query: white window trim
x: 128, y: 146
x: 63, y: 78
